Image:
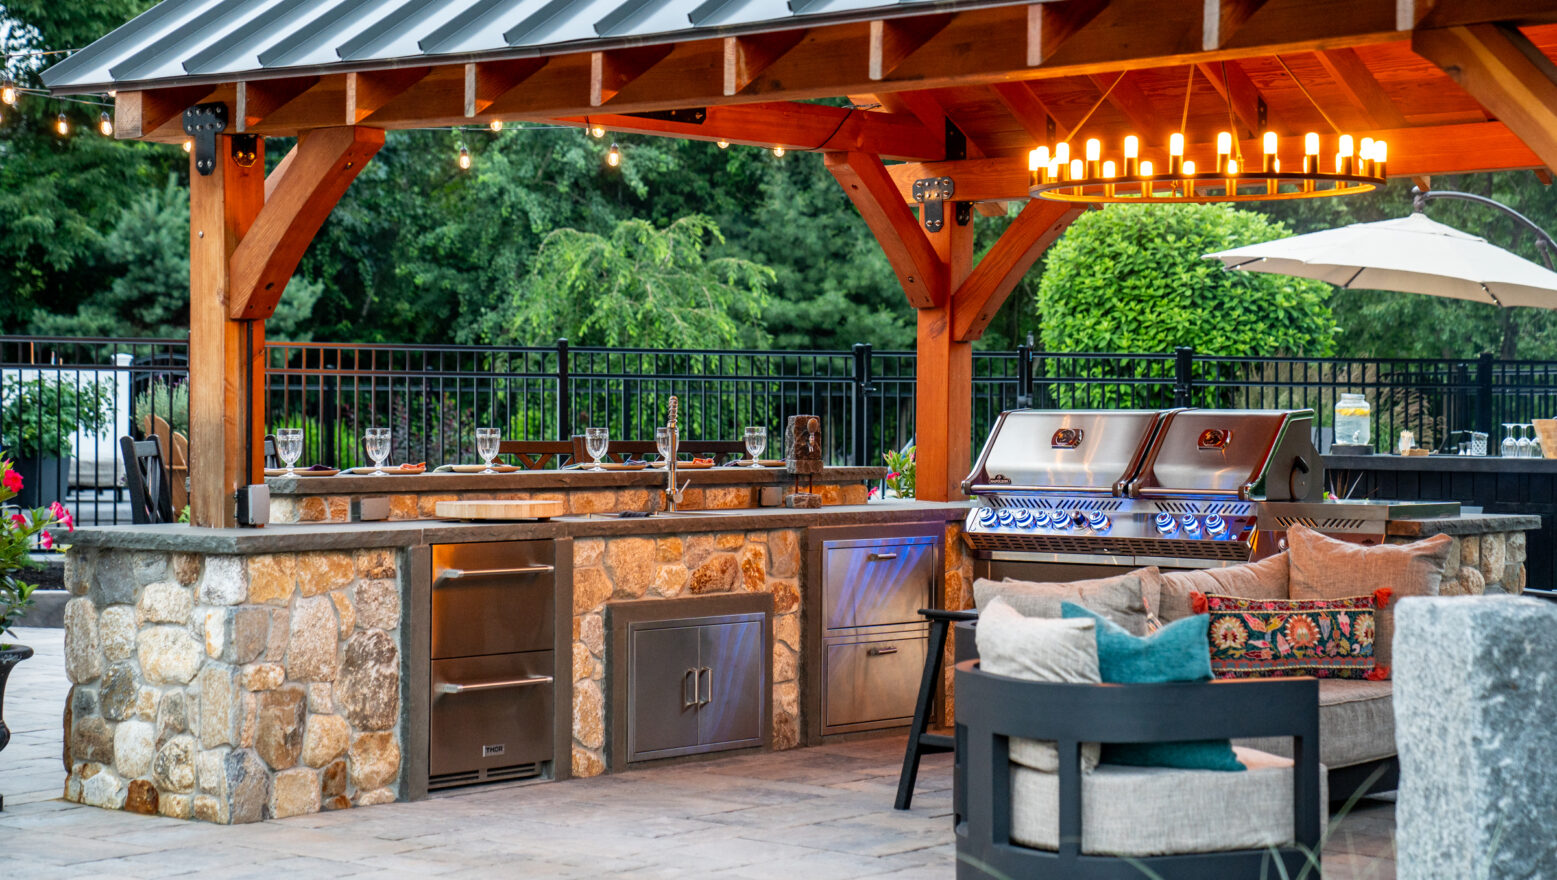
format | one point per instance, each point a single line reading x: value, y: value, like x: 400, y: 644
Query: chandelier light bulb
x: 1076, y: 171
x: 1176, y: 144
x: 1232, y: 166
x: 1276, y: 166
x: 1365, y: 148
x: 1132, y: 147
x: 1224, y: 143
x: 1380, y: 153
x: 1062, y: 153
x: 62, y: 125
x: 105, y: 124
x: 614, y: 157
x: 1346, y: 146
x: 1189, y: 166
x: 1146, y: 168
x: 1270, y: 143
x: 1311, y: 144
x: 496, y: 125
x: 464, y: 158
x: 1094, y: 149
x: 1109, y: 168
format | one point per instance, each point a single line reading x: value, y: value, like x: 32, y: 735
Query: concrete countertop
x: 1473, y: 464
x: 1465, y: 524
x: 554, y: 479
x: 410, y: 533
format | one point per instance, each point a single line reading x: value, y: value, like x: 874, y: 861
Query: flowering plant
x: 18, y: 528
x: 900, y: 472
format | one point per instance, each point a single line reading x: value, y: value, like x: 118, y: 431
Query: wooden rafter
x: 369, y: 92
x: 1049, y: 25
x: 745, y: 58
x: 309, y: 183
x: 1027, y: 108
x: 794, y: 126
x: 1245, y: 98
x: 259, y: 99
x: 866, y: 181
x: 138, y: 114
x: 892, y: 41
x: 929, y: 110
x: 1503, y: 71
x: 1126, y: 97
x: 1223, y: 18
x: 490, y: 80
x: 610, y: 72
x: 979, y: 297
x: 1354, y: 79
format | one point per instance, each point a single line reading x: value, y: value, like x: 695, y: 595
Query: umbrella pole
x: 1543, y: 242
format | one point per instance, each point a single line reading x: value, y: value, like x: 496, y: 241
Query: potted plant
x: 18, y: 529
x: 900, y: 472
x: 38, y: 418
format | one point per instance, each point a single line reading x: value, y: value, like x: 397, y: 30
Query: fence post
x: 564, y: 393
x: 1183, y: 376
x: 1024, y: 376
x: 1484, y: 399
x: 328, y: 451
x: 860, y: 393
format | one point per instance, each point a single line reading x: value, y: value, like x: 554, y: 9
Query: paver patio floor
x: 809, y: 814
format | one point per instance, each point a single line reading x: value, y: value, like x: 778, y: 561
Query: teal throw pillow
x: 1180, y: 651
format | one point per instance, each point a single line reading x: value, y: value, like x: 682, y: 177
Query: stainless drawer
x: 491, y: 712
x: 493, y: 598
x: 877, y: 582
x: 871, y: 683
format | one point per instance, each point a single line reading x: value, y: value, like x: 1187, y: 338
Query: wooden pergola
x: 948, y: 89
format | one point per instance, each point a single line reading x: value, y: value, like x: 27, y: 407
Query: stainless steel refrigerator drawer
x: 871, y: 683
x: 877, y: 582
x: 492, y: 598
x: 491, y: 712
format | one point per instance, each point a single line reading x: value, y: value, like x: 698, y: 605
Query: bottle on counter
x: 1353, y: 420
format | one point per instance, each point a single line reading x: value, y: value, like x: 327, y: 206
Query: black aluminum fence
x: 433, y: 397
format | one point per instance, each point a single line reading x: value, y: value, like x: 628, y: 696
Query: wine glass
x: 1526, y: 444
x: 662, y: 443
x: 289, y: 446
x: 596, y: 442
x: 377, y: 442
x: 756, y: 441
x: 487, y: 440
x: 1510, y: 446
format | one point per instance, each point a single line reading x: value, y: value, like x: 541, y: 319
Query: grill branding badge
x: 1066, y: 438
x: 493, y: 751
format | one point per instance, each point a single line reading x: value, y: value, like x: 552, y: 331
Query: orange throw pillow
x: 1324, y: 568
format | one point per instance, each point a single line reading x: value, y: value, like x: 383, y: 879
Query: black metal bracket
x: 957, y: 149
x: 245, y: 149
x: 204, y: 122
x: 932, y: 193
x: 688, y: 116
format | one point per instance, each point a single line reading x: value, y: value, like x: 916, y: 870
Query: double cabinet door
x: 695, y: 687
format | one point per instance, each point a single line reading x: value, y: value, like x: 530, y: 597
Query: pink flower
x: 893, y: 476
x: 21, y: 521
x: 46, y: 540
x: 62, y: 516
x: 12, y: 481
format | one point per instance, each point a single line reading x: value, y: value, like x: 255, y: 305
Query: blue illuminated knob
x: 1024, y: 520
x: 1216, y: 527
x: 1098, y: 521
x: 1190, y: 524
x: 987, y: 517
x: 1042, y: 519
x: 1165, y: 523
x: 1005, y: 517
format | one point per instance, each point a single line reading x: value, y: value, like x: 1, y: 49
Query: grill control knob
x: 1024, y: 520
x: 1216, y: 527
x: 1098, y: 521
x: 1165, y: 524
x: 1005, y: 517
x: 1078, y: 519
x: 987, y: 517
x: 1042, y: 519
x: 1190, y: 524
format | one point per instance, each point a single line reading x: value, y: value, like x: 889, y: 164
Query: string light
x: 496, y: 125
x: 778, y: 151
x: 62, y: 125
x: 464, y: 160
x: 614, y: 157
x: 105, y: 124
x: 723, y: 144
x: 189, y: 145
x: 597, y: 131
x: 8, y: 91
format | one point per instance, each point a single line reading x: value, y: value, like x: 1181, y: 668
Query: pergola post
x: 943, y: 387
x: 226, y: 357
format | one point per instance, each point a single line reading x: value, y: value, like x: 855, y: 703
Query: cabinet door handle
x: 880, y: 557
x: 710, y: 698
x: 879, y: 652
x: 452, y: 688
x: 686, y: 702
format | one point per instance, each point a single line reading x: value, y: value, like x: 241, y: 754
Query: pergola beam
x: 611, y: 72
x: 1027, y: 108
x: 794, y: 126
x: 1248, y: 104
x: 369, y: 92
x: 1223, y: 18
x: 261, y: 98
x: 1508, y: 75
x: 892, y: 41
x: 1354, y: 79
x: 745, y: 58
x: 1049, y: 25
x: 978, y: 298
x: 1126, y: 97
x: 138, y: 114
x: 868, y: 185
x: 488, y: 81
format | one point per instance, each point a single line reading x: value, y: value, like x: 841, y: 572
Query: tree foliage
x: 1131, y: 278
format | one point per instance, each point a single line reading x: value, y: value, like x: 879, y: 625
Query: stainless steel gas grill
x: 1090, y: 491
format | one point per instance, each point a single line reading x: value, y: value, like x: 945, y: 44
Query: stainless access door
x: 491, y: 713
x: 493, y: 598
x: 872, y: 682
x: 877, y: 582
x: 730, y: 684
x: 664, y: 698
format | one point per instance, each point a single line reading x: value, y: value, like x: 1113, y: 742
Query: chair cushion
x: 1324, y: 568
x: 1038, y: 649
x: 1117, y: 598
x: 1152, y: 811
x: 1268, y: 638
x: 1356, y: 725
x: 1266, y: 579
x: 1177, y: 652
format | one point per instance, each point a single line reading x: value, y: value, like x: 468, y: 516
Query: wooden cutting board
x: 499, y: 509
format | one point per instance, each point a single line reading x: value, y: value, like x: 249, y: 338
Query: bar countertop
x: 1475, y: 464
x: 542, y: 480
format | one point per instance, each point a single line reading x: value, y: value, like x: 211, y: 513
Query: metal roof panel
x: 165, y: 57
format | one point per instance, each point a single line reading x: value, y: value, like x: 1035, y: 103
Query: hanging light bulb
x: 189, y: 145
x: 1224, y: 149
x: 614, y: 157
x: 722, y: 144
x: 1094, y: 153
x: 1380, y: 157
x: 1310, y: 153
x: 1270, y: 150
x: 464, y: 158
x: 778, y: 151
x: 113, y: 93
x: 496, y: 125
x: 1132, y: 155
x: 1175, y: 152
x: 1189, y: 166
x: 105, y: 124
x: 597, y: 131
x: 1062, y: 153
x: 1038, y: 162
x: 8, y: 91
x: 62, y: 125
x: 1146, y: 168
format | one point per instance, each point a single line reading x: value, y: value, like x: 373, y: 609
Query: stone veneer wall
x: 1481, y: 564
x: 233, y: 689
x: 421, y: 505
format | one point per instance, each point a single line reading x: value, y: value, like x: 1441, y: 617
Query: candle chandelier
x: 1343, y: 166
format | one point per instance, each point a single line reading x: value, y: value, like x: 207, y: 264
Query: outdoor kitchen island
x: 231, y: 675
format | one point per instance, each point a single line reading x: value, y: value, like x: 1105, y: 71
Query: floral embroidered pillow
x: 1266, y: 638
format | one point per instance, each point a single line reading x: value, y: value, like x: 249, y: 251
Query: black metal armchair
x: 992, y: 708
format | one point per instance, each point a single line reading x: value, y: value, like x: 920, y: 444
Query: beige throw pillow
x: 1266, y: 579
x: 1117, y: 598
x: 1038, y: 649
x: 1324, y: 568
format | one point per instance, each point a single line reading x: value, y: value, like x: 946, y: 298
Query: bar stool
x: 920, y: 741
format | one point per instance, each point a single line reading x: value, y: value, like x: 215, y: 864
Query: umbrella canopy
x: 1412, y: 254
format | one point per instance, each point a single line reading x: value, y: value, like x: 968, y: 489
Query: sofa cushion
x: 1117, y: 598
x: 1356, y: 725
x: 1177, y: 652
x: 1265, y: 638
x: 1324, y: 568
x: 1266, y: 579
x: 1038, y: 649
x: 1151, y: 811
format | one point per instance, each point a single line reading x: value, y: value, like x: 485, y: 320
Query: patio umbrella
x: 1411, y: 254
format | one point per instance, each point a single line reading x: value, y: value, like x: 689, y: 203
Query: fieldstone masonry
x: 233, y: 689
x: 1476, y: 725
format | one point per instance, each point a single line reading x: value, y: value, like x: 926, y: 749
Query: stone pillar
x: 1476, y: 727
